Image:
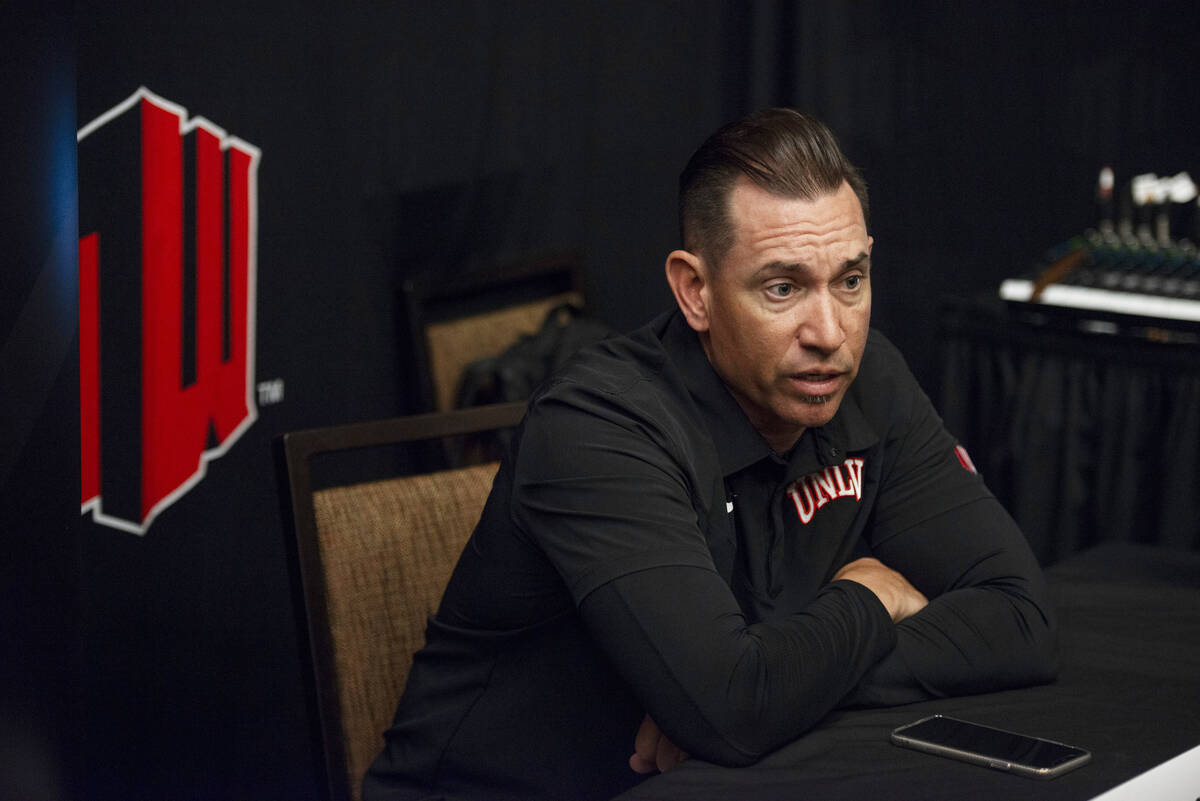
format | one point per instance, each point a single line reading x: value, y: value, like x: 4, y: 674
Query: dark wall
x: 981, y: 128
x: 395, y: 139
x: 39, y: 423
x: 420, y: 138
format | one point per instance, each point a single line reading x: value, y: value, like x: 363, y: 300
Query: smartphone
x: 993, y: 748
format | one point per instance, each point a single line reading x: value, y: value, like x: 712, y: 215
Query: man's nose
x: 820, y: 324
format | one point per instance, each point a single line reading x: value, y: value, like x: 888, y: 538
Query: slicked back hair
x: 781, y: 150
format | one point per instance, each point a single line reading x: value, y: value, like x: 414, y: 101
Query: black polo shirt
x: 643, y: 550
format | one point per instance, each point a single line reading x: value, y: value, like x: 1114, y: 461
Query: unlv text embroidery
x: 817, y: 489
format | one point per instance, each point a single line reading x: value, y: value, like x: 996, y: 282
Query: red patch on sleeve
x: 964, y: 459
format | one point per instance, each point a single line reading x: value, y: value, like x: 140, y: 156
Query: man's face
x: 789, y: 306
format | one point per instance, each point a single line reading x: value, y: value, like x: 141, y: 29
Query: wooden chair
x: 371, y: 560
x: 453, y: 321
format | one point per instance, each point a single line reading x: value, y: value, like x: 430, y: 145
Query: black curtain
x: 980, y: 128
x: 1085, y: 437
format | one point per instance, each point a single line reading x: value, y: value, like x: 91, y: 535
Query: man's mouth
x: 817, y: 385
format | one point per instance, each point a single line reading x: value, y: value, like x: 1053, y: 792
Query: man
x: 715, y: 530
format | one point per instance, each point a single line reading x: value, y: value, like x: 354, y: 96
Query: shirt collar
x: 850, y: 429
x: 737, y: 441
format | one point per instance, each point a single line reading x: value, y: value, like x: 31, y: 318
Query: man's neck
x: 779, y: 442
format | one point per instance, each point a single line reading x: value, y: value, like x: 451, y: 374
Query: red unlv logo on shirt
x: 167, y: 221
x: 814, y: 491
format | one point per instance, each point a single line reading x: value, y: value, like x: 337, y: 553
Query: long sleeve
x: 989, y: 624
x: 623, y: 500
x: 620, y: 518
x: 723, y: 690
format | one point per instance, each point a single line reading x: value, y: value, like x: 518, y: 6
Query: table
x: 1085, y: 437
x: 1128, y: 691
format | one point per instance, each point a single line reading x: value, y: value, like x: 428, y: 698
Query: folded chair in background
x: 371, y: 560
x: 452, y: 320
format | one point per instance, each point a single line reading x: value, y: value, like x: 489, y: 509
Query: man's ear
x: 688, y: 277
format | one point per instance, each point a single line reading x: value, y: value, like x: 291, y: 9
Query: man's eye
x: 780, y: 290
x: 853, y: 281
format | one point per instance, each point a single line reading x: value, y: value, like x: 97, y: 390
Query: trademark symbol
x: 270, y: 392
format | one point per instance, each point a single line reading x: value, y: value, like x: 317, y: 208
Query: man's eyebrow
x: 862, y: 259
x: 782, y: 267
x: 859, y: 260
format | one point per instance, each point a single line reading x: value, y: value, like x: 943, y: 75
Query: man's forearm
x: 970, y: 641
x: 724, y: 691
x: 988, y: 625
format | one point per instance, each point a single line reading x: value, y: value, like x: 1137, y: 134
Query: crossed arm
x: 653, y: 750
x: 730, y: 692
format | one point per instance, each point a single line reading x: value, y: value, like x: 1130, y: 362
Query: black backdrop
x: 415, y: 138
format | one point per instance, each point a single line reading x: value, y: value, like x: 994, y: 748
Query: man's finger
x: 645, y: 746
x: 669, y: 755
x: 645, y: 743
x: 641, y: 765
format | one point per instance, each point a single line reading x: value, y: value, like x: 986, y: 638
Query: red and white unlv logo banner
x: 167, y: 221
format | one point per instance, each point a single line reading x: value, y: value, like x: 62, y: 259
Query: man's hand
x: 900, y: 598
x: 652, y: 750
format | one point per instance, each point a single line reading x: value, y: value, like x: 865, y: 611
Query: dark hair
x: 780, y: 150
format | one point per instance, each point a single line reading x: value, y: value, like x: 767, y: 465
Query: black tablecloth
x: 1085, y: 437
x: 1128, y: 691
